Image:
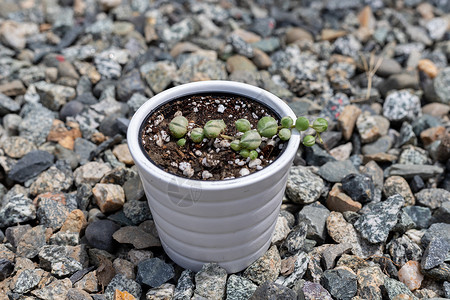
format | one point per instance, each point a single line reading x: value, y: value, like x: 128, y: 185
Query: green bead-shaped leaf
x: 320, y: 125
x: 250, y: 140
x: 242, y: 125
x: 178, y: 126
x: 244, y: 153
x: 286, y: 122
x: 284, y: 134
x: 267, y: 126
x: 235, y: 145
x: 197, y: 135
x: 181, y: 142
x: 301, y: 124
x: 309, y: 140
x: 214, y: 128
x: 253, y: 154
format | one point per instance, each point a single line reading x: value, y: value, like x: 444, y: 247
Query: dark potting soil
x: 212, y: 159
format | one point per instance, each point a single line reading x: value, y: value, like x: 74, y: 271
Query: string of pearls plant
x: 250, y: 140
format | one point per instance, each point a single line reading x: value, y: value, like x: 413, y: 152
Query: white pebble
x: 165, y: 136
x: 174, y: 164
x: 225, y: 143
x: 178, y: 113
x: 195, y: 109
x: 206, y: 175
x: 158, y: 120
x: 198, y: 153
x: 221, y: 108
x: 259, y: 168
x: 244, y: 171
x: 255, y: 116
x: 186, y: 168
x: 159, y: 140
x: 254, y: 163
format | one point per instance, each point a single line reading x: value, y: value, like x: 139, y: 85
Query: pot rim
x: 212, y: 86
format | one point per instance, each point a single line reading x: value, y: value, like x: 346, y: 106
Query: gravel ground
x: 365, y: 217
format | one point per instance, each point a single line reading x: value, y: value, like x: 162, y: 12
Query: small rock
x: 99, y: 234
x: 153, y: 272
x: 397, y: 82
x: 123, y: 154
x: 51, y: 213
x: 294, y: 34
x: 347, y: 120
x: 211, y: 281
x: 51, y: 180
x: 300, y: 267
x: 14, y: 233
x: 109, y: 197
x: 436, y: 230
x: 71, y: 109
x: 312, y: 290
x: 383, y: 144
x: 359, y: 187
x: 409, y: 171
x: 398, y: 185
x: 77, y: 294
x: 239, y: 288
x: 341, y: 283
x: 315, y: 216
x: 185, y: 286
x: 31, y: 242
x: 281, y: 230
x: 121, y: 283
x: 136, y: 101
x: 54, y: 96
x: 265, y: 268
x: 332, y: 252
x: 164, y: 291
x: 26, y: 280
x: 433, y: 197
x: 335, y: 171
x: 136, y: 236
x: 375, y: 224
x: 90, y: 173
x: 371, y: 128
x: 339, y: 201
x: 435, y: 253
x: 88, y: 283
x: 295, y: 241
x: 410, y: 275
x: 128, y: 84
x: 401, y: 106
x: 7, y: 267
x: 428, y: 136
x: 240, y: 63
x: 32, y: 164
x: 18, y: 209
x: 396, y: 288
x: 261, y: 59
x: 442, y: 214
x: 303, y: 186
x: 441, y: 86
x: 125, y: 267
x: 342, y: 152
x: 75, y: 222
x: 270, y: 290
x: 421, y: 216
x: 436, y: 109
x: 370, y: 279
x: 58, y: 261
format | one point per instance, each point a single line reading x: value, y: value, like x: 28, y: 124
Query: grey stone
x: 240, y: 46
x: 54, y: 96
x: 442, y: 214
x: 265, y: 268
x: 15, y: 233
x: 17, y: 210
x: 332, y: 252
x: 439, y: 273
x: 446, y: 289
x: 316, y: 156
x: 71, y: 109
x: 409, y: 171
x: 441, y: 86
x: 394, y: 288
x: 153, y: 272
x: 27, y: 280
x: 383, y: 144
x: 421, y: 216
x: 413, y: 156
x: 303, y: 186
x: 133, y: 189
x: 359, y: 187
x: 8, y: 105
x: 129, y: 84
x: 7, y: 267
x: 108, y: 68
x: 51, y: 213
x: 433, y: 197
x: 158, y: 75
x: 185, y: 286
x: 435, y: 253
x: 295, y: 240
x: 31, y: 242
x: 404, y: 223
x: 164, y: 291
x: 300, y: 267
x: 424, y: 122
x: 210, y: 281
x: 270, y: 290
x: 99, y: 234
x: 90, y: 173
x: 341, y: 283
x: 77, y: 294
x: 11, y: 124
x: 436, y: 230
x: 137, y: 211
x: 375, y: 224
x: 407, y: 135
x: 239, y: 288
x: 347, y: 45
x: 335, y: 171
x: 401, y: 106
x: 32, y: 164
x: 402, y: 250
x: 315, y: 216
x: 312, y: 290
x: 122, y: 283
x: 398, y: 82
x: 136, y: 101
x: 83, y: 149
x: 57, y: 260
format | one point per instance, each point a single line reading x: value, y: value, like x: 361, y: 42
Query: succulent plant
x: 267, y: 126
x: 320, y: 125
x: 284, y: 134
x: 301, y: 124
x: 250, y: 140
x: 214, y: 128
x: 197, y: 135
x: 181, y: 142
x: 178, y: 126
x: 286, y: 122
x: 244, y: 153
x: 253, y: 154
x: 235, y: 145
x: 242, y: 125
x: 309, y: 140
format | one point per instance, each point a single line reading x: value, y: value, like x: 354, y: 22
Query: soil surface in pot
x: 212, y: 159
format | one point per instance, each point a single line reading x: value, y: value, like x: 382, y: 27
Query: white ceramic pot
x: 229, y: 221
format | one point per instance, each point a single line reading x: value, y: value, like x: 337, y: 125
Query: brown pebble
x: 428, y: 67
x: 339, y: 201
x: 347, y: 120
x: 432, y: 134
